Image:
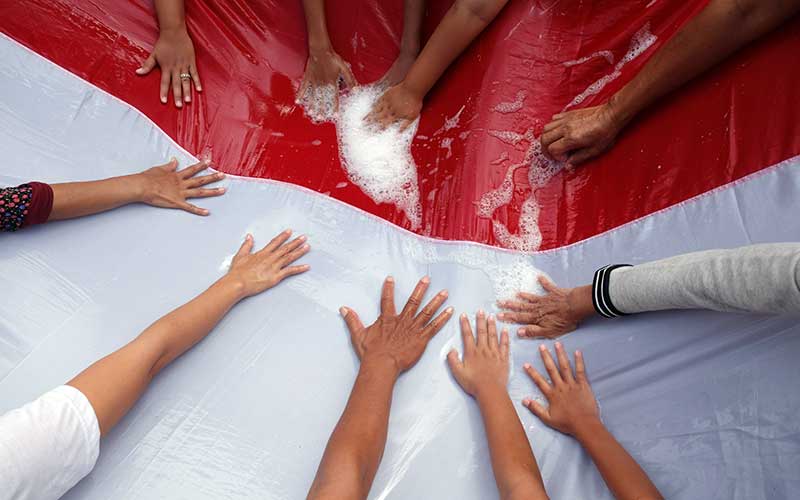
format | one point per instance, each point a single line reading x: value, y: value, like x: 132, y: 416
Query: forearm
x: 757, y: 278
x: 356, y: 446
x: 318, y: 38
x: 622, y: 474
x: 460, y: 25
x: 412, y: 26
x: 76, y: 199
x: 171, y: 15
x: 711, y: 36
x: 114, y: 383
x: 515, y: 469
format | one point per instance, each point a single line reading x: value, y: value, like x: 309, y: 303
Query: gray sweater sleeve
x: 758, y: 279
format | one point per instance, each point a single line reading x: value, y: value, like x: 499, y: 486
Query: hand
x: 570, y: 398
x: 398, y: 71
x: 576, y: 136
x: 398, y: 104
x: 550, y: 315
x: 163, y: 186
x: 174, y: 54
x: 399, y: 339
x: 319, y: 91
x: 262, y: 270
x: 485, y: 363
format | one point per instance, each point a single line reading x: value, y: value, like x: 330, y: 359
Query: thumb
x: 147, y: 65
x: 455, y: 364
x: 548, y: 285
x: 353, y: 322
x: 246, y: 248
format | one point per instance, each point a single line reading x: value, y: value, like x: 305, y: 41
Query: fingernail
x: 542, y: 347
x: 390, y: 279
x: 249, y: 236
x: 480, y: 312
x: 443, y: 293
x: 306, y: 246
x: 491, y: 317
x: 578, y: 353
x: 463, y: 316
x: 527, y: 366
x: 302, y: 238
x: 172, y: 159
x: 221, y: 190
x: 220, y: 175
x: 558, y: 345
x: 163, y: 100
x: 178, y: 104
x: 500, y: 316
x: 521, y: 334
x: 449, y: 310
x: 526, y: 402
x: 187, y: 98
x: 139, y: 71
x: 343, y: 311
x: 426, y: 279
x: 287, y: 231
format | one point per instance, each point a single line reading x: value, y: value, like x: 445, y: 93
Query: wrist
x: 233, y: 286
x: 489, y: 390
x: 381, y: 365
x: 173, y: 29
x: 137, y: 187
x: 413, y: 88
x: 580, y: 304
x: 587, y: 428
x: 620, y: 110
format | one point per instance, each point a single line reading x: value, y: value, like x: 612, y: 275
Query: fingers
x: 543, y: 385
x: 176, y: 88
x: 347, y: 74
x: 192, y: 209
x: 193, y: 170
x: 563, y: 363
x: 204, y: 193
x: 165, y: 75
x: 415, y: 299
x: 514, y: 305
x: 294, y: 255
x: 480, y: 326
x: 530, y: 298
x: 437, y: 324
x: 277, y: 241
x: 292, y: 270
x: 195, y: 182
x: 195, y: 78
x: 430, y: 309
x: 303, y: 88
x: 387, y: 297
x: 353, y: 322
x: 521, y: 318
x: 561, y: 147
x: 171, y: 165
x: 537, y: 409
x: 554, y: 124
x: 504, y: 343
x: 246, y: 248
x: 551, y: 136
x: 550, y: 365
x: 548, y: 285
x: 580, y: 368
x: 186, y: 87
x: 455, y: 364
x: 405, y: 124
x: 147, y: 66
x: 466, y: 336
x: 536, y: 332
x: 582, y: 155
x: 291, y: 246
x: 492, y: 331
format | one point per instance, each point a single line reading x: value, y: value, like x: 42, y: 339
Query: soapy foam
x: 379, y: 162
x: 450, y: 123
x: 641, y: 41
x: 507, y: 136
x: 605, y: 54
x: 515, y: 105
x: 319, y: 102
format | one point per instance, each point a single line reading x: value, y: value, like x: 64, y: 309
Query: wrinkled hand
x: 262, y: 270
x: 166, y: 187
x: 399, y: 339
x: 397, y: 105
x: 174, y: 54
x: 319, y: 90
x: 398, y: 71
x: 485, y: 361
x: 548, y: 316
x: 570, y: 397
x: 576, y: 136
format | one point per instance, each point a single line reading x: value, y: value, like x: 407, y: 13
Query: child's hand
x: 398, y: 339
x: 398, y: 104
x: 166, y: 187
x: 485, y: 363
x: 319, y: 91
x: 257, y: 272
x: 174, y: 54
x: 572, y: 402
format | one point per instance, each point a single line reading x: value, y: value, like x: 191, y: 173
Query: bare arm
x: 459, y: 27
x: 573, y: 410
x: 409, y: 43
x: 161, y: 186
x: 715, y: 33
x: 114, y: 384
x: 388, y: 347
x: 483, y: 373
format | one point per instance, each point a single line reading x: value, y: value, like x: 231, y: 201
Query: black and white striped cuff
x: 601, y: 297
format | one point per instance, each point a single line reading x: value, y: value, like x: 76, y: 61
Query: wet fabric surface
x: 703, y: 401
x: 474, y: 149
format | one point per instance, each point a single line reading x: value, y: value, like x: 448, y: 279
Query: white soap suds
x: 513, y: 106
x: 507, y: 136
x: 379, y: 162
x: 605, y: 54
x: 447, y: 144
x: 450, y: 123
x: 319, y: 102
x: 641, y: 41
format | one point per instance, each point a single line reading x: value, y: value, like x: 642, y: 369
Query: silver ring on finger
x: 185, y: 76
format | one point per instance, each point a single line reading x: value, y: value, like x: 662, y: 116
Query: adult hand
x: 262, y: 270
x: 485, y: 360
x: 570, y: 397
x: 551, y: 315
x: 319, y: 90
x: 166, y: 187
x: 174, y: 54
x: 576, y: 136
x: 397, y: 105
x: 398, y: 339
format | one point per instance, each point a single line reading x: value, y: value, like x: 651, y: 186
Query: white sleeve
x: 48, y: 445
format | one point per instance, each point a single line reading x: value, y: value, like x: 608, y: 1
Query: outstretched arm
x: 387, y: 348
x: 715, y: 33
x: 161, y: 186
x: 114, y: 384
x: 174, y: 54
x: 460, y: 25
x: 409, y: 43
x: 573, y: 410
x: 483, y: 374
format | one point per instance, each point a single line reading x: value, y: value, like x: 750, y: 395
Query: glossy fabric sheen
x: 736, y: 120
x: 701, y: 400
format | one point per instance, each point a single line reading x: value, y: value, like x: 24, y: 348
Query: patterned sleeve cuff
x: 601, y: 297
